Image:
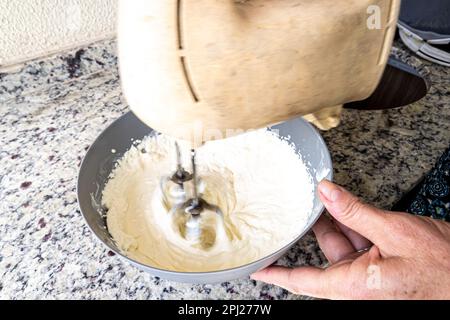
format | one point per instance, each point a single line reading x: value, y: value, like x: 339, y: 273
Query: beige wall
x: 35, y: 28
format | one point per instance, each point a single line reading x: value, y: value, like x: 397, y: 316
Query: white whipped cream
x: 257, y: 179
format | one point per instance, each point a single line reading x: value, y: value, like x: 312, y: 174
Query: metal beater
x: 182, y: 198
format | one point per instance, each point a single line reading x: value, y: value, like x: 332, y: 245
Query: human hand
x: 409, y: 258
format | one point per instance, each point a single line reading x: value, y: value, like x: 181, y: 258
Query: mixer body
x: 207, y: 69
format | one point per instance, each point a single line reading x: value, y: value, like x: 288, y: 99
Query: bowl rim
x: 198, y: 273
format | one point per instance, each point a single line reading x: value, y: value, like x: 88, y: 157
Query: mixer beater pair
x: 182, y: 198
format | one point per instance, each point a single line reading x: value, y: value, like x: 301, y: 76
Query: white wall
x: 35, y: 28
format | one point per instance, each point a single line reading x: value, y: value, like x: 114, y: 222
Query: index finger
x: 303, y: 280
x: 344, y: 280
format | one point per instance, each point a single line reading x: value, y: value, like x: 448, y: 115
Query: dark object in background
x: 431, y: 196
x: 424, y: 27
x: 400, y: 85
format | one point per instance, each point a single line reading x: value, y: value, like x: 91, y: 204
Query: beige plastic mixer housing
x: 213, y: 67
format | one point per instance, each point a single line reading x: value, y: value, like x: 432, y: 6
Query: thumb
x: 368, y: 221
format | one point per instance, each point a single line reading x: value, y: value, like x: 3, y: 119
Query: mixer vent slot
x: 179, y: 33
x: 180, y: 48
x: 188, y: 80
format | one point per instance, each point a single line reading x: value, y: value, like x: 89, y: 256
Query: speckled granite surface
x: 51, y: 110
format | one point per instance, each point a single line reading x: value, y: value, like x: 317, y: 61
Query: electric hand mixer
x: 205, y: 69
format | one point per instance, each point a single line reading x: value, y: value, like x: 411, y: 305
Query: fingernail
x: 329, y: 190
x: 254, y: 276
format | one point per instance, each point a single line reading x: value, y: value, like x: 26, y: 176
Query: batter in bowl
x: 258, y: 181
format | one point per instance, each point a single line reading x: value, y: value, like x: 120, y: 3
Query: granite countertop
x: 51, y: 110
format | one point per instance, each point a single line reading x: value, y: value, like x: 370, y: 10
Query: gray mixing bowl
x: 100, y: 159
